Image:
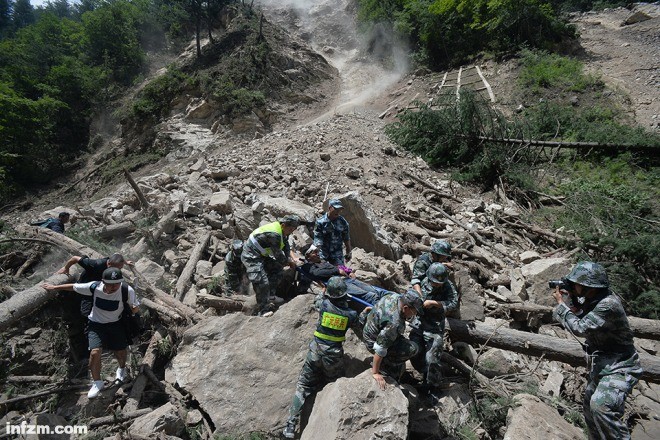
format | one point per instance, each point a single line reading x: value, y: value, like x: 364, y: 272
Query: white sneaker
x: 121, y: 374
x: 276, y: 299
x: 97, y: 386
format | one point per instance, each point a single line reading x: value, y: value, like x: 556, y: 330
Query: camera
x: 563, y: 284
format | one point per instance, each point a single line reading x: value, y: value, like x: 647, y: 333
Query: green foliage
x: 453, y: 31
x: 491, y: 411
x: 249, y: 436
x: 153, y: 101
x: 545, y: 70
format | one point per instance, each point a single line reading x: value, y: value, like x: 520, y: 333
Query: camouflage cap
x: 237, y: 245
x: 589, y: 274
x: 112, y: 275
x: 412, y: 299
x: 336, y: 288
x: 290, y: 220
x: 437, y: 273
x: 335, y: 203
x: 441, y: 247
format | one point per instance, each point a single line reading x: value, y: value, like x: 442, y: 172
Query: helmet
x: 237, y: 245
x: 112, y: 275
x: 441, y: 247
x: 336, y: 288
x: 437, y: 273
x: 589, y: 274
x: 412, y: 299
x: 290, y: 220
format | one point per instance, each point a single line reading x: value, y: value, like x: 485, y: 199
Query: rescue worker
x: 440, y: 253
x: 331, y: 235
x: 264, y: 255
x: 613, y: 363
x: 383, y: 333
x: 325, y: 359
x: 440, y: 297
x: 234, y: 269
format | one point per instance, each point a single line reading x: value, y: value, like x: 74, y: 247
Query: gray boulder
x: 547, y: 423
x: 538, y: 273
x: 280, y: 206
x: 165, y: 419
x: 355, y: 409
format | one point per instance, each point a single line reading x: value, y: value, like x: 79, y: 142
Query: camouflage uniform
x: 421, y: 266
x: 430, y: 329
x: 264, y: 270
x: 383, y: 335
x: 613, y: 363
x: 329, y: 237
x: 234, y: 271
x: 325, y: 360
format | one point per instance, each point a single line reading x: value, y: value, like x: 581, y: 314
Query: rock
x: 496, y: 362
x: 357, y: 409
x: 50, y: 420
x: 325, y: 157
x: 465, y: 352
x: 528, y: 256
x: 152, y: 271
x: 247, y: 387
x: 453, y: 407
x: 353, y: 173
x: 192, y: 207
x: 32, y: 333
x: 203, y: 269
x: 538, y: 273
x: 362, y: 260
x: 245, y: 220
x: 553, y: 383
x: 280, y: 206
x: 366, y: 232
x: 164, y: 419
x: 547, y: 423
x: 646, y: 398
x: 412, y: 229
x: 248, y: 124
x: 199, y: 109
x: 636, y: 17
x: 471, y: 307
x: 518, y: 284
x: 368, y: 277
x: 221, y: 202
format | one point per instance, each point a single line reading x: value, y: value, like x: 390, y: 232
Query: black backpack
x: 132, y: 323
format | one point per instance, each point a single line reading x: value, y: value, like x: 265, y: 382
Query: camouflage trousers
x: 394, y: 363
x: 323, y: 364
x: 265, y: 275
x: 604, y: 401
x: 428, y: 360
x: 233, y: 279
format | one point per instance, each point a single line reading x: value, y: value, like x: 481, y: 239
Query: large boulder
x: 471, y: 306
x: 165, y: 419
x: 243, y: 370
x: 221, y: 202
x: 280, y: 206
x: 538, y: 273
x: 547, y: 423
x: 366, y: 231
x: 356, y: 408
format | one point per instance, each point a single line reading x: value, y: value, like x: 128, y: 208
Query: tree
x: 23, y: 14
x: 60, y: 8
x: 5, y: 17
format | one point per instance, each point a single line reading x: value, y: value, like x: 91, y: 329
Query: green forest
x: 63, y: 63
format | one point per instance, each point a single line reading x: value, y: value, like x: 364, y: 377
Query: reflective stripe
x: 275, y: 227
x: 329, y: 338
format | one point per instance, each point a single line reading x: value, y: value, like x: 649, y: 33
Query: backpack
x: 132, y: 323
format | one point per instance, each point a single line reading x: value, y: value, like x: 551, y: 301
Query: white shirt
x: 107, y: 308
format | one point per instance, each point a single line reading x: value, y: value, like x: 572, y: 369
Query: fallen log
x: 141, y: 380
x: 532, y: 344
x: 30, y: 379
x: 138, y: 191
x: 114, y: 231
x: 219, y: 303
x: 118, y: 418
x: 183, y: 282
x: 42, y: 394
x: 641, y: 327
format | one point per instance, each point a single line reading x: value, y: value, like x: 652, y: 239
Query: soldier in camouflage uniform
x: 264, y: 255
x: 613, y: 363
x: 383, y: 333
x: 325, y: 359
x: 440, y: 253
x: 234, y: 269
x: 439, y: 296
x: 331, y: 233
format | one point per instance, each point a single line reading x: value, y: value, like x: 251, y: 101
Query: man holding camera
x: 612, y: 360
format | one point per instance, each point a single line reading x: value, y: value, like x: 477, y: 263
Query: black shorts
x: 111, y: 336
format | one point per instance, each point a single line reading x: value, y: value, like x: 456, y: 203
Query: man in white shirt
x: 106, y: 329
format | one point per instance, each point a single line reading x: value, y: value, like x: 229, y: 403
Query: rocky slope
x: 234, y: 374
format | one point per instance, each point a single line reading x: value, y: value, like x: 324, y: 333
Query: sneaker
x: 97, y: 386
x: 121, y: 374
x: 289, y: 430
x: 276, y: 299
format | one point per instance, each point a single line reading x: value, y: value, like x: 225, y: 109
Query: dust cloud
x: 368, y: 62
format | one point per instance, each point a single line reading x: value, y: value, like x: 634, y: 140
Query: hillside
x: 209, y: 178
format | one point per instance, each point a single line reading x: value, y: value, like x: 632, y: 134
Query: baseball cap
x: 112, y: 275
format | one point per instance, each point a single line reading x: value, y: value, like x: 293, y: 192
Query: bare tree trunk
x: 141, y: 380
x: 138, y: 191
x: 220, y: 303
x: 183, y: 282
x: 532, y: 344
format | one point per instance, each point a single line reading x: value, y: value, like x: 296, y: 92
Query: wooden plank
x: 458, y: 83
x: 490, y: 91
